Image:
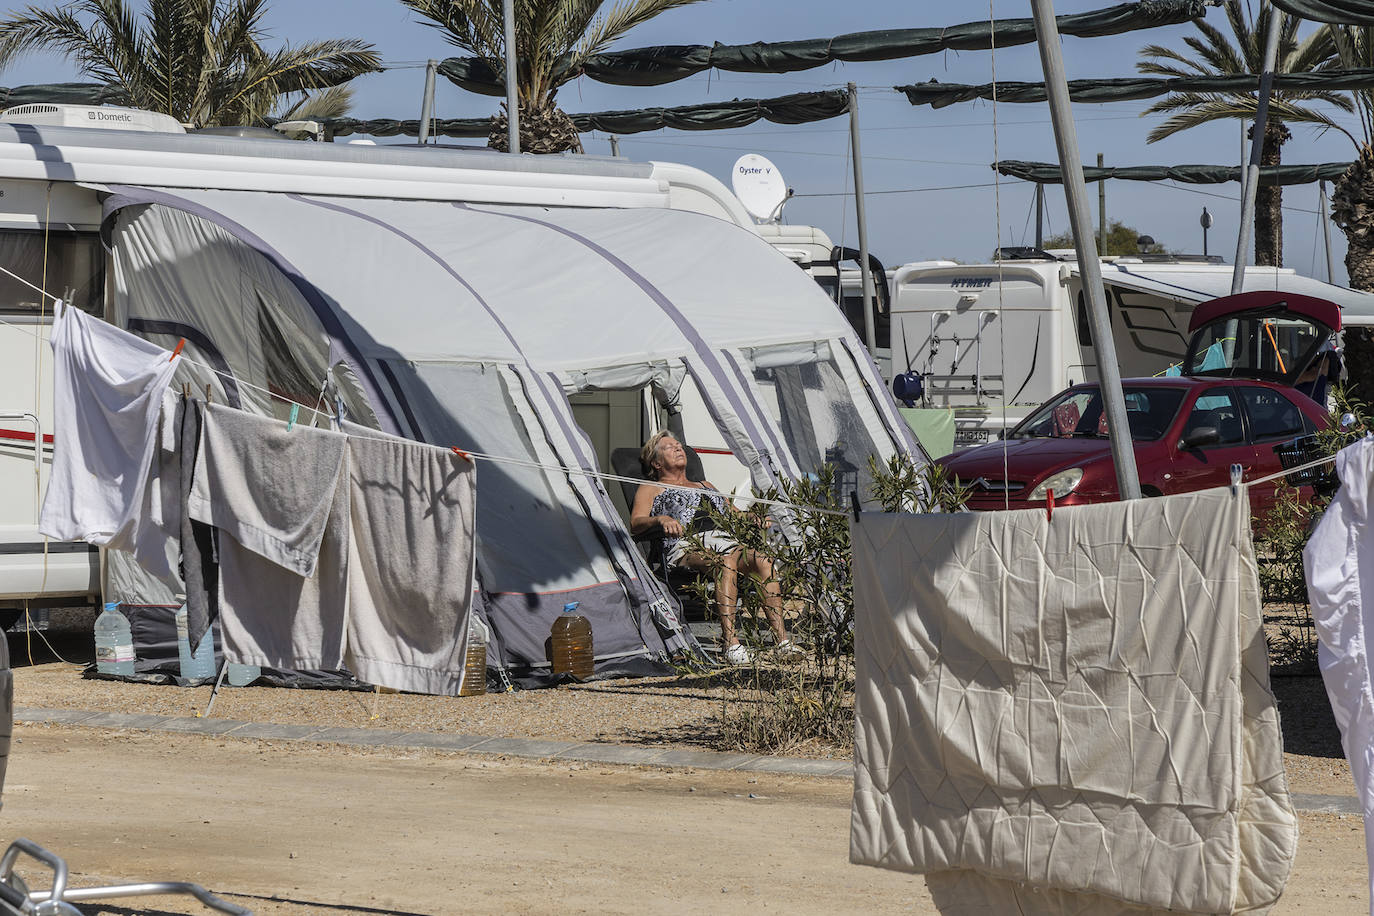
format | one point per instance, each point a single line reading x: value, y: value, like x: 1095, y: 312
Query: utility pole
x: 870, y: 335
x: 1252, y: 171
x: 1325, y: 217
x: 1101, y: 210
x: 512, y: 81
x: 427, y: 103
x: 1039, y: 215
x: 1089, y: 267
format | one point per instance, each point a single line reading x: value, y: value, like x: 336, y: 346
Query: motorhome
x: 61, y: 186
x: 993, y: 341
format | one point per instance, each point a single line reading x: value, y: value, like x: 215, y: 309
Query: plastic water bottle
x: 475, y: 660
x: 200, y: 664
x: 241, y: 675
x: 571, y: 637
x: 114, y: 642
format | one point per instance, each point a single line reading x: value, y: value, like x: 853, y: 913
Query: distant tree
x: 1121, y: 240
x: 200, y: 61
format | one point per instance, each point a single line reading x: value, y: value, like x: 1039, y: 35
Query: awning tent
x: 1198, y: 283
x: 468, y: 325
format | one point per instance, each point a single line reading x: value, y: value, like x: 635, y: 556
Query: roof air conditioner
x: 103, y: 117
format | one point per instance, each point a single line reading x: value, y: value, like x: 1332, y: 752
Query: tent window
x: 819, y: 422
x: 75, y: 269
x: 283, y: 368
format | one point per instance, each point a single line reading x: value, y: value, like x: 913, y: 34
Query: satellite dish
x: 759, y: 186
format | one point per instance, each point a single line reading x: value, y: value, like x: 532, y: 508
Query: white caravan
x: 53, y: 176
x: 993, y: 341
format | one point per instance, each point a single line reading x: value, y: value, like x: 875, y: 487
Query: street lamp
x: 1144, y: 242
x: 1205, y: 220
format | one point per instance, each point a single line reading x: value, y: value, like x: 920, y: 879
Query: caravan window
x: 75, y: 269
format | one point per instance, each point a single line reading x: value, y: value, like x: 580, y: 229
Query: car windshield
x: 1078, y: 414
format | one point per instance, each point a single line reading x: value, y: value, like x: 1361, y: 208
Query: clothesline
x: 499, y: 459
x: 522, y: 462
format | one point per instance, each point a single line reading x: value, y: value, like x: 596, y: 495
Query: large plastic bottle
x: 241, y: 675
x: 572, y: 644
x: 114, y: 642
x: 200, y: 664
x: 475, y: 661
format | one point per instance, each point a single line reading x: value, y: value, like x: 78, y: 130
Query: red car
x: 1234, y: 403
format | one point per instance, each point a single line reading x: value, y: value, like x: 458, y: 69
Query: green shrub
x: 778, y: 704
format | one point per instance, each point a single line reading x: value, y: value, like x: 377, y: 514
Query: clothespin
x: 177, y: 352
x: 462, y: 454
x: 1237, y: 472
x: 1049, y: 505
x: 208, y: 396
x: 291, y: 418
x: 854, y: 503
x: 186, y: 389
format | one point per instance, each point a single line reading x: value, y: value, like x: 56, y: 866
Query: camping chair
x: 626, y: 463
x: 17, y: 900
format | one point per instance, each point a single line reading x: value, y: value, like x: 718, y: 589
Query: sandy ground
x: 337, y: 831
x: 321, y: 829
x: 326, y: 829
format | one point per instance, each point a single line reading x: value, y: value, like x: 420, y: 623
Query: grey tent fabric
x: 1124, y: 89
x: 1049, y: 173
x: 655, y: 66
x: 470, y: 325
x: 1344, y: 12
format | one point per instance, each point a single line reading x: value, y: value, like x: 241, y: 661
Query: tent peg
x: 291, y: 418
x: 854, y: 503
x: 177, y: 352
x: 1237, y: 472
x: 1049, y: 505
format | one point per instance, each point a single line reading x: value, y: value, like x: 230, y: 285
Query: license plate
x: 972, y: 436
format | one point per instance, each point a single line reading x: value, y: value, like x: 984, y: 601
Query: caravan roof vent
x: 106, y: 117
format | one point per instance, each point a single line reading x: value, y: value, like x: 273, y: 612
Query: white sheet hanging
x: 1339, y: 561
x: 107, y: 394
x: 1072, y: 715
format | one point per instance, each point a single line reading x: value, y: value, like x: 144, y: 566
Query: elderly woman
x: 659, y: 505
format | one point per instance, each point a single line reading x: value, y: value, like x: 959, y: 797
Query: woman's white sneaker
x: 738, y: 655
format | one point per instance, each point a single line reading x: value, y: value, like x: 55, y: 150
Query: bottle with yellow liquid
x: 572, y: 644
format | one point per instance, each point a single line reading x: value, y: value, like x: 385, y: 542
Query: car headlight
x: 1061, y: 483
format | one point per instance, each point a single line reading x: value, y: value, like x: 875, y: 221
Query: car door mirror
x: 1199, y: 436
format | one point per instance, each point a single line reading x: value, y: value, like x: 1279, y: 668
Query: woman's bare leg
x: 762, y: 566
x: 727, y: 597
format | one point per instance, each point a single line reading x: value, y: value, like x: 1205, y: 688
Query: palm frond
x: 622, y: 17
x: 334, y: 102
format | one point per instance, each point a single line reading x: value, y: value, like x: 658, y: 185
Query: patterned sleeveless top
x: 682, y: 505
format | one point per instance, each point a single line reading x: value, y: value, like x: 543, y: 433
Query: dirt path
x: 338, y: 831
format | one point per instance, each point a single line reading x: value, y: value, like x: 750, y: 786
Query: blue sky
x: 904, y: 147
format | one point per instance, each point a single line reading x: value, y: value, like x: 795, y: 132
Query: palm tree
x: 1352, y: 202
x: 200, y: 61
x: 552, y: 38
x: 1214, y: 54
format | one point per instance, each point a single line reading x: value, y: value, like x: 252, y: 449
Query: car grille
x: 984, y: 486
